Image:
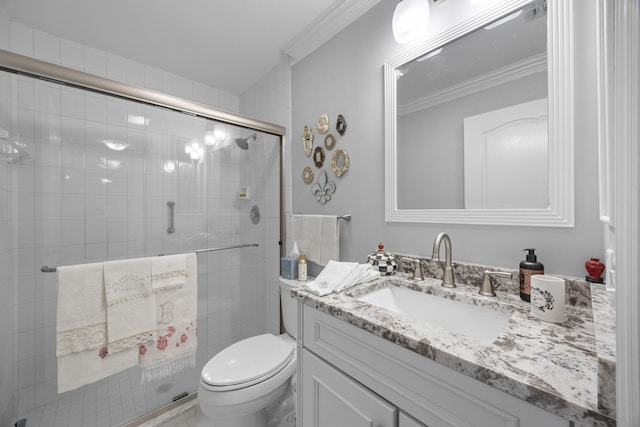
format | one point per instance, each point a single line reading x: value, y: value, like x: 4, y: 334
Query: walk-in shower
x: 68, y: 196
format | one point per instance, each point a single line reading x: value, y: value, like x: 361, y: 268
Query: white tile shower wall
x: 67, y: 213
x: 7, y: 263
x: 270, y: 100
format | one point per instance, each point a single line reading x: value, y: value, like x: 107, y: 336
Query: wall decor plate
x: 307, y: 175
x: 341, y: 125
x: 340, y: 161
x: 323, y: 123
x: 318, y: 156
x: 307, y: 140
x: 323, y: 189
x: 329, y: 141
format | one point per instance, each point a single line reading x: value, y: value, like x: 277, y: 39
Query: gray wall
x: 345, y: 76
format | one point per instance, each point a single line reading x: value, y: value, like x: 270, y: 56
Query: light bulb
x: 209, y: 137
x: 220, y: 132
x: 410, y: 19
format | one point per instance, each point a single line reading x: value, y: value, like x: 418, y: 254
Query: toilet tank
x: 289, y: 306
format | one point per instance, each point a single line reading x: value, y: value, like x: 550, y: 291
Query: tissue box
x: 289, y: 268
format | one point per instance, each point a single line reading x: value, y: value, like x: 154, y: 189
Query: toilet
x: 252, y: 382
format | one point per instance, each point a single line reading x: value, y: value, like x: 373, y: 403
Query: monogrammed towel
x: 174, y: 348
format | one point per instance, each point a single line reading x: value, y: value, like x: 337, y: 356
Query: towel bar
x: 346, y: 217
x: 47, y: 269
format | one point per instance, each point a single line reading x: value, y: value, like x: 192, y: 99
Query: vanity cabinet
x: 333, y: 399
x: 351, y: 377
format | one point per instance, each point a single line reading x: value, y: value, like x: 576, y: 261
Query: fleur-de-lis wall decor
x: 323, y: 188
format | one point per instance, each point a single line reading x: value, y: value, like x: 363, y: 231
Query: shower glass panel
x: 93, y: 177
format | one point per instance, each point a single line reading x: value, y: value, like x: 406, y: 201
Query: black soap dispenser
x: 528, y: 268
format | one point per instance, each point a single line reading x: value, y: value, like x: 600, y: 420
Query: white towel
x: 317, y: 236
x: 131, y: 312
x: 81, y: 318
x: 168, y: 272
x: 81, y: 326
x: 338, y: 276
x: 79, y: 369
x: 176, y: 314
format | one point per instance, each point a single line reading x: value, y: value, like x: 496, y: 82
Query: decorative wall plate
x: 341, y: 125
x: 323, y: 123
x: 307, y: 175
x: 318, y: 156
x: 307, y: 140
x: 329, y: 141
x: 323, y: 188
x: 340, y: 161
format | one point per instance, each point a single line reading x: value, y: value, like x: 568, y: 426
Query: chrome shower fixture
x: 244, y: 142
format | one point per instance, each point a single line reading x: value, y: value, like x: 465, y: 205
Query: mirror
x: 479, y: 121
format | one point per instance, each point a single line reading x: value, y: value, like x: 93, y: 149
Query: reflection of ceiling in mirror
x: 481, y: 52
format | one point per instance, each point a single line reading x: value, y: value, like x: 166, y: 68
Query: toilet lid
x: 248, y: 361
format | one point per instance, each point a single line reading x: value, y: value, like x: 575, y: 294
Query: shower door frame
x: 26, y: 66
x: 23, y: 65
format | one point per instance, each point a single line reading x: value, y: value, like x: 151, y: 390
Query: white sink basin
x: 479, y: 323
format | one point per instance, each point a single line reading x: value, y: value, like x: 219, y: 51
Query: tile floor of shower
x: 113, y: 403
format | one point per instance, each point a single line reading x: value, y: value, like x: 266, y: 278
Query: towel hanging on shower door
x: 81, y: 329
x: 175, y: 286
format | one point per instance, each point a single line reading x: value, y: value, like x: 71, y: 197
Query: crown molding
x: 336, y: 18
x: 533, y: 65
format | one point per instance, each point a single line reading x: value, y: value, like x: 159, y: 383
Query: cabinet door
x: 331, y: 399
x: 406, y: 421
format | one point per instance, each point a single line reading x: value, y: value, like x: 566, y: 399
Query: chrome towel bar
x: 47, y: 269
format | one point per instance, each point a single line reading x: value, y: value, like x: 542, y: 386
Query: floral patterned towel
x: 174, y: 348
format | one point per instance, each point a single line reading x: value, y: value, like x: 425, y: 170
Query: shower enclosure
x: 93, y: 170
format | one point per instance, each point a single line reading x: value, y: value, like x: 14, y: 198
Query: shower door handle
x: 171, y: 206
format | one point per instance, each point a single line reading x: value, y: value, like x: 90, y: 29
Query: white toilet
x: 252, y: 382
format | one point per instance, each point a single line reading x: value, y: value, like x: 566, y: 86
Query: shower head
x: 244, y: 142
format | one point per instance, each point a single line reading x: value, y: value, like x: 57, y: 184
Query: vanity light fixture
x: 410, y: 19
x: 194, y: 150
x: 219, y: 133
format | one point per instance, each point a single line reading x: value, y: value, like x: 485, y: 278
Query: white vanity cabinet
x: 333, y: 399
x: 351, y: 377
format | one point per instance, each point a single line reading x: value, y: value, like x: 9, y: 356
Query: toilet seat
x: 247, y: 362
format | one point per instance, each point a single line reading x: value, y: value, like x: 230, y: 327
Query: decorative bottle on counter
x: 302, y: 268
x: 528, y: 268
x: 595, y: 269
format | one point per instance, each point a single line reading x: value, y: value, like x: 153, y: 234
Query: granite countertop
x: 566, y: 369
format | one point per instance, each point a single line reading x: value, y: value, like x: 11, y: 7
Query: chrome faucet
x: 447, y: 280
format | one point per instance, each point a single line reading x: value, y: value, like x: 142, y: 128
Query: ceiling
x: 226, y: 44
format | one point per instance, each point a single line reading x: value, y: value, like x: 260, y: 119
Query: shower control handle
x: 171, y: 206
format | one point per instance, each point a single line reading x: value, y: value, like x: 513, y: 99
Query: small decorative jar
x: 594, y: 268
x: 382, y: 261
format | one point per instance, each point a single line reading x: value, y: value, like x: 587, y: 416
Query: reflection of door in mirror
x: 506, y: 158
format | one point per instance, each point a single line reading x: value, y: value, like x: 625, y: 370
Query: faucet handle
x: 417, y: 271
x: 487, y: 286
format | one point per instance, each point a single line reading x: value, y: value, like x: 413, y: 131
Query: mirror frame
x: 561, y: 210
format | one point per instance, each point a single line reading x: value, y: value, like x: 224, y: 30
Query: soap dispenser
x: 528, y: 268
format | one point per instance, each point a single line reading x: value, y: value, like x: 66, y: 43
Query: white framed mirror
x: 432, y: 188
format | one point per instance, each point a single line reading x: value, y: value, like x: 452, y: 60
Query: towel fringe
x: 165, y: 370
